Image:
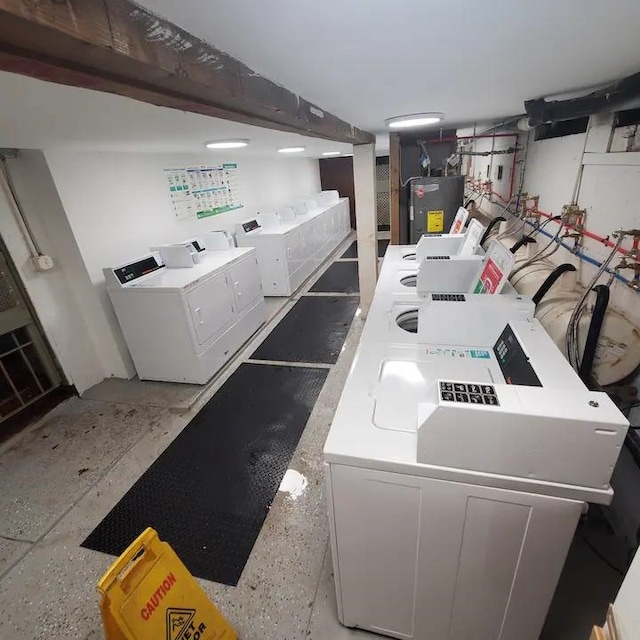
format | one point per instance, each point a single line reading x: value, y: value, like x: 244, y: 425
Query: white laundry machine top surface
x: 165, y: 279
x: 511, y: 414
x: 399, y: 277
x: 251, y: 230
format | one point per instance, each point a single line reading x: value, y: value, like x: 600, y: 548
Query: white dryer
x: 183, y: 325
x: 292, y: 243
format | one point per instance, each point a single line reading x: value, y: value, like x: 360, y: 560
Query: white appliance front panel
x: 211, y: 307
x: 245, y: 280
x: 424, y: 558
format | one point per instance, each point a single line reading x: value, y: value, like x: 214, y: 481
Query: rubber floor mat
x: 352, y: 251
x: 210, y: 491
x: 340, y: 277
x: 314, y: 330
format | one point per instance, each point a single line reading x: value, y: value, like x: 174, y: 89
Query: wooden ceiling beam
x: 116, y: 46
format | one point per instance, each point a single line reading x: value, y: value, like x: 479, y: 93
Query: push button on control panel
x: 468, y: 392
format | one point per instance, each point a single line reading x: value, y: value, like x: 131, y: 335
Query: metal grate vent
x: 8, y: 298
x: 382, y: 194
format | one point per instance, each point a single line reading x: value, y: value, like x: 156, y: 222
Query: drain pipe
x: 550, y: 281
x: 524, y: 240
x: 490, y: 227
x: 597, y: 319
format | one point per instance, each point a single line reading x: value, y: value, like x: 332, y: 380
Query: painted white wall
x: 117, y: 205
x: 477, y: 166
x: 609, y: 194
x: 64, y: 297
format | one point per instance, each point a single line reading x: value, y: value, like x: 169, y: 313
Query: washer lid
x: 403, y: 384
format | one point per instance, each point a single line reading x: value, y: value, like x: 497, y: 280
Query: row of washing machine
x: 463, y: 451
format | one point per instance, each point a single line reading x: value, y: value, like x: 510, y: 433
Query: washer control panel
x: 455, y: 352
x: 469, y: 392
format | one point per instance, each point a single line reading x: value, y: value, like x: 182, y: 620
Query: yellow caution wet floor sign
x: 148, y: 594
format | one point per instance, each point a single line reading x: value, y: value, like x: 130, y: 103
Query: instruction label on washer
x: 489, y: 278
x: 435, y: 221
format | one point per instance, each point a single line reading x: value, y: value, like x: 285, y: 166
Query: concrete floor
x: 62, y: 475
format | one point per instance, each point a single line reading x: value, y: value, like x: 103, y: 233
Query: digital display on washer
x: 251, y: 225
x: 137, y: 269
x: 513, y: 361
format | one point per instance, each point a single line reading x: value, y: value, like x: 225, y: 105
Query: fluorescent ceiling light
x: 413, y: 120
x: 331, y: 153
x: 226, y: 144
x: 291, y: 150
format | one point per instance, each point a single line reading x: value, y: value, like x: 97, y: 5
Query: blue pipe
x: 582, y: 256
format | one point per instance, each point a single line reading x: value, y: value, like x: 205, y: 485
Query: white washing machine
x: 486, y: 273
x: 456, y: 473
x: 290, y: 247
x: 446, y: 244
x: 184, y: 324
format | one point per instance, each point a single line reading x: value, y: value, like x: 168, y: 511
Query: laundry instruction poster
x: 203, y: 191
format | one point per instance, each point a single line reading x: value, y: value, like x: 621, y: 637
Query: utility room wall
x: 608, y: 188
x: 116, y: 206
x: 64, y: 298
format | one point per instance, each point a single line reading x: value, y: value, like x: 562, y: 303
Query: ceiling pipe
x: 621, y: 94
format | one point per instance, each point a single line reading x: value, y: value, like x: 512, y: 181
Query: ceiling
x: 367, y: 60
x: 42, y: 115
x: 363, y: 60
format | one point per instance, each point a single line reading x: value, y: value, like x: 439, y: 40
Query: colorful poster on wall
x: 203, y: 191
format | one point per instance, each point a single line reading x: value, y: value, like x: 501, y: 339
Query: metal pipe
x: 23, y: 223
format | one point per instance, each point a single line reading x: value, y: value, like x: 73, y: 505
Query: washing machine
x: 292, y: 243
x: 184, y: 324
x: 456, y: 472
x: 446, y: 244
x: 442, y: 316
x: 486, y: 273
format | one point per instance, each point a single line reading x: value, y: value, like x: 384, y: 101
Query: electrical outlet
x: 43, y: 263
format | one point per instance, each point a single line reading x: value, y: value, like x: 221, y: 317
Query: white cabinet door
x: 211, y: 307
x: 424, y: 558
x: 294, y: 249
x: 245, y: 280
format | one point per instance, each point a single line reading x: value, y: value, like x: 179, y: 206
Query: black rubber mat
x: 210, y: 491
x: 352, y: 251
x: 340, y: 277
x: 314, y: 330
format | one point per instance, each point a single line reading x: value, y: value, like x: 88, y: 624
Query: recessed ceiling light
x: 331, y: 153
x: 226, y: 144
x: 291, y: 150
x: 414, y: 120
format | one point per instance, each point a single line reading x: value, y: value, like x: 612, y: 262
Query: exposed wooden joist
x: 119, y: 47
x: 394, y: 187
